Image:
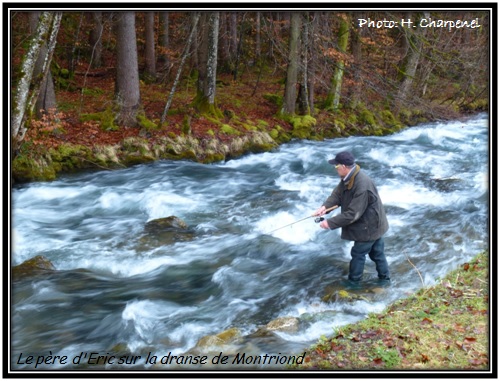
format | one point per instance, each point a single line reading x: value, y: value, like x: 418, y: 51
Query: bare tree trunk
x: 355, y: 89
x: 95, y: 39
x: 225, y: 39
x: 293, y: 63
x: 213, y: 38
x: 313, y: 61
x: 150, y: 55
x: 196, y: 17
x: 164, y: 35
x: 333, y: 99
x: 127, y: 93
x: 195, y: 56
x: 46, y: 100
x: 257, y: 37
x: 28, y: 87
x: 205, y: 99
x: 303, y: 99
x: 409, y: 68
x: 233, y: 33
x: 202, y: 52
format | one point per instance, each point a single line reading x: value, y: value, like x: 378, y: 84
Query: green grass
x: 443, y: 327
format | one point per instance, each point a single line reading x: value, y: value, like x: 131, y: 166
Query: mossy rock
x: 260, y: 142
x: 70, y: 157
x: 213, y: 157
x: 132, y: 144
x: 27, y: 168
x: 343, y: 296
x: 31, y: 267
x: 224, y: 338
x: 302, y: 126
x: 135, y: 158
x: 136, y: 151
x: 188, y: 154
x: 107, y: 156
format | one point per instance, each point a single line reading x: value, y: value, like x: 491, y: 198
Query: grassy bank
x: 444, y: 327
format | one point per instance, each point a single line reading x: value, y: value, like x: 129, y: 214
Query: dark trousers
x: 375, y: 250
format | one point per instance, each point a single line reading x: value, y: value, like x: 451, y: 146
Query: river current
x: 117, y: 288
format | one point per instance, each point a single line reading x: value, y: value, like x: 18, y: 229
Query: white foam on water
x: 147, y: 316
x: 267, y: 158
x: 334, y: 317
x: 406, y: 195
x: 297, y: 233
x: 48, y: 193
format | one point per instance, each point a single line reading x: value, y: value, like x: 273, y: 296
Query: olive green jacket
x: 362, y: 216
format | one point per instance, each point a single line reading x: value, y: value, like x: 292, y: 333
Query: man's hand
x: 320, y: 211
x: 324, y: 224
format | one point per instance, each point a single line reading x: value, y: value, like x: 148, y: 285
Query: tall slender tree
x: 149, y: 51
x: 95, y: 38
x: 303, y: 98
x: 311, y: 67
x: 164, y: 40
x: 46, y: 100
x: 127, y: 92
x: 356, y: 48
x: 28, y: 86
x: 258, y: 48
x: 196, y: 17
x: 290, y: 97
x: 408, y: 70
x: 205, y: 100
x: 333, y: 99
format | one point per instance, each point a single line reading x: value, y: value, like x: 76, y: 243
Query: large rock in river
x: 166, y: 231
x: 160, y: 225
x: 34, y: 266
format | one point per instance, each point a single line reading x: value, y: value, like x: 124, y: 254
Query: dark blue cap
x: 344, y: 158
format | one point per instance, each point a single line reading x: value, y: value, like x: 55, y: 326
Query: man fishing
x: 362, y: 218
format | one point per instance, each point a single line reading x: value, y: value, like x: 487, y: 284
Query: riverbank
x: 55, y: 146
x: 76, y: 137
x: 443, y: 327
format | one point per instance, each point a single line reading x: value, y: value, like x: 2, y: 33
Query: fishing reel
x: 319, y: 219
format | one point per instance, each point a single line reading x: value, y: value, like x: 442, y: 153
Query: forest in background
x: 107, y: 90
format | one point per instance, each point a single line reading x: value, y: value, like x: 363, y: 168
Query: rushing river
x: 117, y: 288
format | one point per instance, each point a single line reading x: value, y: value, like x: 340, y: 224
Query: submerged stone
x: 343, y: 296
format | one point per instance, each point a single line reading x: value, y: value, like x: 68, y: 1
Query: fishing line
x: 317, y: 220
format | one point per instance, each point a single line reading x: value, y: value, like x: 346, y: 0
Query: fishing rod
x: 317, y: 220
